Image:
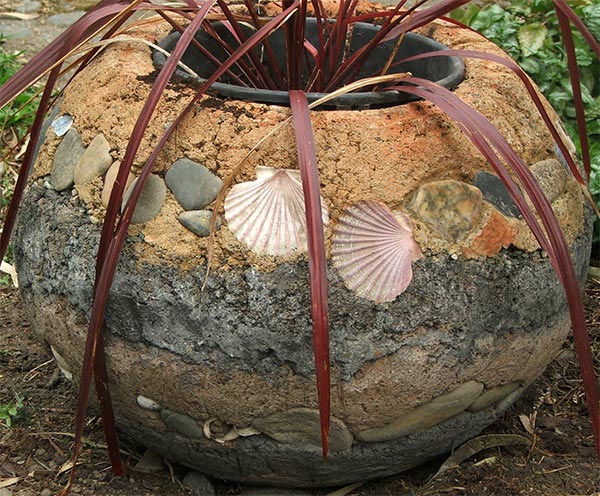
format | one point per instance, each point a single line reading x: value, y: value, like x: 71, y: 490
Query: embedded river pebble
x: 451, y: 206
x: 94, y: 161
x: 426, y: 415
x: 151, y: 200
x: 495, y: 192
x: 302, y: 426
x: 198, y: 221
x: 199, y: 484
x: 182, y: 424
x: 68, y: 154
x: 492, y: 396
x: 193, y: 185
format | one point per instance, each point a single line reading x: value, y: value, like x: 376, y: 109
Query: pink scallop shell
x: 268, y: 214
x: 373, y: 250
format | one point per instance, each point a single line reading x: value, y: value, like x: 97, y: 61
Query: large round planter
x: 223, y: 380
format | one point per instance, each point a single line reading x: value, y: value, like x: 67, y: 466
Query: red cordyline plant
x: 323, y: 66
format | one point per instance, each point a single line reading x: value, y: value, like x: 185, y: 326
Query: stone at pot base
x: 199, y: 484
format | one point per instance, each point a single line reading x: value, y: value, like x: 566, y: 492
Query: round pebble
x: 94, y: 162
x: 199, y: 484
x: 198, y: 221
x: 147, y: 403
x: 192, y: 184
x: 151, y: 200
x: 68, y: 154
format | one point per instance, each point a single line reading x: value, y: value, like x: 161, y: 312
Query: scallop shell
x: 268, y: 214
x: 62, y: 124
x: 148, y: 403
x: 373, y: 249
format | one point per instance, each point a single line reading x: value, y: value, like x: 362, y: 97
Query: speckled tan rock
x: 551, y: 176
x: 451, y: 207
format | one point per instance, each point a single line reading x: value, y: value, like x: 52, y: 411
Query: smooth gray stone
x: 94, y: 162
x: 273, y: 491
x: 302, y: 426
x: 492, y: 396
x: 193, y: 185
x: 67, y: 156
x: 151, y: 200
x: 198, y: 221
x: 182, y: 424
x: 199, y: 484
x: 495, y: 192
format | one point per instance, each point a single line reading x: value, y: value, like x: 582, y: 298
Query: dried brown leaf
x: 478, y: 444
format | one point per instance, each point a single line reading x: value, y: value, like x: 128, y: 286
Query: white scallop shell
x: 373, y: 249
x: 268, y: 214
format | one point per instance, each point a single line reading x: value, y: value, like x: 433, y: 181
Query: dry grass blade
x: 18, y: 15
x: 343, y: 491
x: 9, y: 482
x: 11, y: 271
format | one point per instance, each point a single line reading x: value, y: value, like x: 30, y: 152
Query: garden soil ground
x: 559, y: 460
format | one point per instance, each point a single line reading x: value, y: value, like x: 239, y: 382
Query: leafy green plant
x: 12, y: 411
x: 15, y: 121
x: 323, y: 66
x: 20, y: 114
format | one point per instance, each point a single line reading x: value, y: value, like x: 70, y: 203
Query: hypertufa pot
x: 437, y: 343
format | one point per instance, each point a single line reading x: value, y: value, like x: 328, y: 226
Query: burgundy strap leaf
x: 533, y: 93
x: 317, y: 263
x: 110, y: 248
x: 568, y: 12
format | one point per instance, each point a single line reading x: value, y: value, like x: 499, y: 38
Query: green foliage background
x: 19, y: 115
